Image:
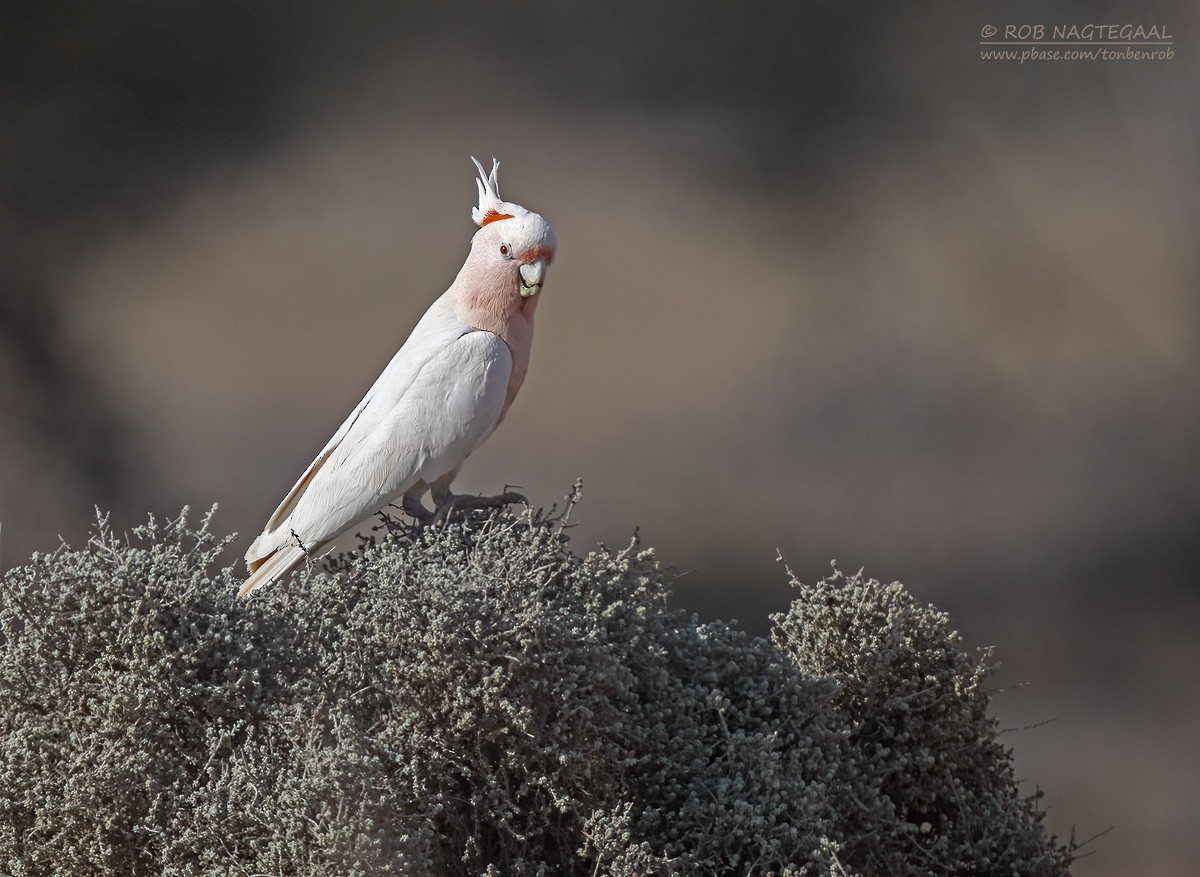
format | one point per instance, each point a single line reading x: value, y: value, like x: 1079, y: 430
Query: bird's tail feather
x: 276, y: 566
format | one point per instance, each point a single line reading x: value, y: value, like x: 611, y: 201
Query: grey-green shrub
x: 477, y: 699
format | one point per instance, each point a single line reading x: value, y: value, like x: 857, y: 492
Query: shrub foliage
x: 478, y: 699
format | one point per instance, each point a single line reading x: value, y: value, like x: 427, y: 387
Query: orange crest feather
x: 492, y: 216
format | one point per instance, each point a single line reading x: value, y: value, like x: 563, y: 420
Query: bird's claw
x: 414, y: 508
x: 455, y: 502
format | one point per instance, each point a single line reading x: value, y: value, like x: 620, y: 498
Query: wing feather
x: 417, y: 429
x: 285, y: 508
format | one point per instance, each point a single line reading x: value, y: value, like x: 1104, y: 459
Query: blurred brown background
x: 827, y: 282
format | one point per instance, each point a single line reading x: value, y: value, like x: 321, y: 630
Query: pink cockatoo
x: 440, y: 397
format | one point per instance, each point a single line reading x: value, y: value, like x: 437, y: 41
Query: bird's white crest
x: 489, y: 195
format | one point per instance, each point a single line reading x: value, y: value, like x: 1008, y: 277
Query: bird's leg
x: 412, y: 505
x: 446, y: 502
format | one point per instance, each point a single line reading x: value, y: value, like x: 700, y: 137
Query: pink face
x: 513, y: 235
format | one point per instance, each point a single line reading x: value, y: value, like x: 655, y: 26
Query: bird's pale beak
x: 532, y: 275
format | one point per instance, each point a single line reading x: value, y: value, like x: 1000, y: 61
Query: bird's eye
x: 504, y: 249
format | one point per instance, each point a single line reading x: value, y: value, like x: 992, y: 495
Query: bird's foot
x: 416, y: 509
x: 451, y: 502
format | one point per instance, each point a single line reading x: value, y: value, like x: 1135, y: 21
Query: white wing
x: 436, y: 329
x: 423, y: 416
